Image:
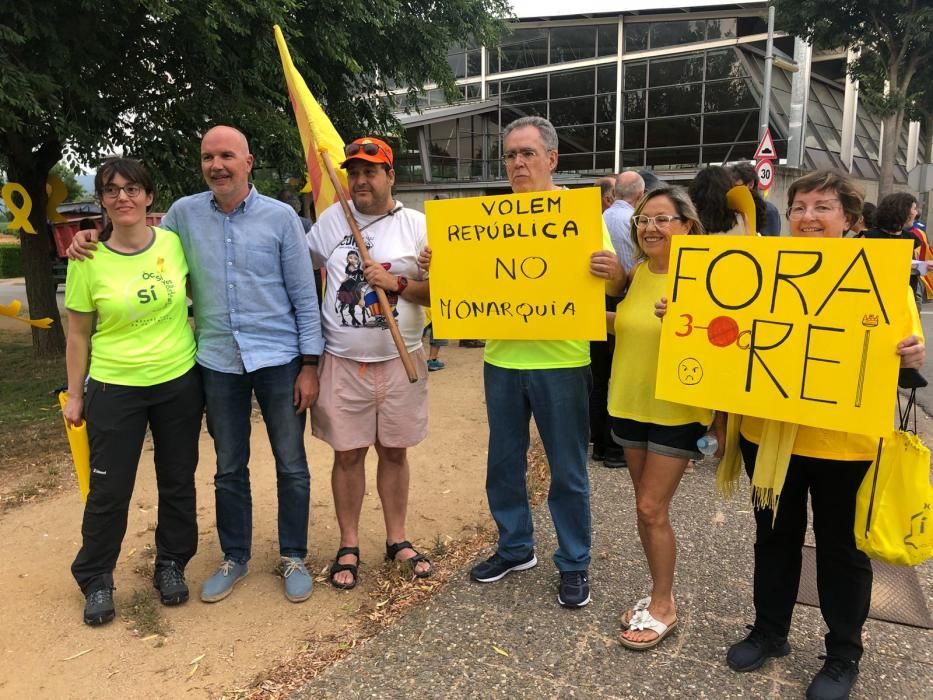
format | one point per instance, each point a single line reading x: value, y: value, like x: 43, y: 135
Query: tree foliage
x: 896, y: 42
x: 149, y: 76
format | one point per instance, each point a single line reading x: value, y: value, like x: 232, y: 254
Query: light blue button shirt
x: 618, y: 220
x: 252, y: 282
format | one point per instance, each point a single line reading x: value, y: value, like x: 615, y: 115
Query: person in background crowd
x: 826, y: 465
x: 659, y: 437
x: 866, y: 221
x: 651, y: 180
x: 629, y: 189
x: 142, y: 375
x: 767, y: 215
x: 894, y: 218
x: 607, y: 190
x: 708, y: 193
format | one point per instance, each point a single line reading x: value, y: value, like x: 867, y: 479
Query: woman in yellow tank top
x: 659, y: 437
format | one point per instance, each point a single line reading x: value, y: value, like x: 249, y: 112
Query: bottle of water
x: 708, y: 444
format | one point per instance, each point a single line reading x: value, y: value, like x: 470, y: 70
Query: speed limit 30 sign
x: 765, y: 172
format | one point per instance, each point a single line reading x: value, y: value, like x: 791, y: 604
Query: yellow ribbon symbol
x: 58, y: 193
x: 20, y: 213
x: 12, y: 310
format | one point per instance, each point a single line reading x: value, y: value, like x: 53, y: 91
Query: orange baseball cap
x: 370, y: 149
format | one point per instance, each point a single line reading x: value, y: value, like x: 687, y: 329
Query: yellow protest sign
x: 517, y: 266
x: 802, y: 330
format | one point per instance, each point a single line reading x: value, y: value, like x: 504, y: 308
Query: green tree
x: 151, y: 75
x: 896, y: 42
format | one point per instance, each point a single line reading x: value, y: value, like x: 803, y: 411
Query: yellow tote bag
x: 80, y: 451
x: 893, y: 516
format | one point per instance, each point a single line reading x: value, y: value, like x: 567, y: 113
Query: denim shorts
x: 667, y: 440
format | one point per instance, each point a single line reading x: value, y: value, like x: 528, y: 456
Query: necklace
x: 391, y: 212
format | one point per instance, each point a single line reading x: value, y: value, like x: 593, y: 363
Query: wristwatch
x: 402, y: 281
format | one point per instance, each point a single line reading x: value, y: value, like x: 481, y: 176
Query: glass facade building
x: 671, y: 92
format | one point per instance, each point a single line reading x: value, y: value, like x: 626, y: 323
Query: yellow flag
x: 317, y: 133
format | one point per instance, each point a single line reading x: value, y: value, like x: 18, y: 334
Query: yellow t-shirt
x: 541, y: 354
x: 142, y: 337
x: 635, y: 361
x: 835, y: 444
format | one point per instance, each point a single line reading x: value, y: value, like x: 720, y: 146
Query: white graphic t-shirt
x: 353, y: 324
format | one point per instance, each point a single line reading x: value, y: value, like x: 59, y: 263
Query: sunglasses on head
x: 370, y: 149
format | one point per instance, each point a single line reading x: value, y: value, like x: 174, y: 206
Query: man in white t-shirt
x: 365, y: 396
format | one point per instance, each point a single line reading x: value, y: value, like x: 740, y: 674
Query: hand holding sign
x: 519, y: 266
x: 800, y: 330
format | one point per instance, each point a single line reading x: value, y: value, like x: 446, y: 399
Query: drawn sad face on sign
x: 689, y: 371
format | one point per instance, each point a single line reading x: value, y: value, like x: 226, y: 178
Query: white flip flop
x: 643, y: 620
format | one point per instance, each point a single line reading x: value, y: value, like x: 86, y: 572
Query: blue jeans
x: 229, y: 403
x: 559, y: 401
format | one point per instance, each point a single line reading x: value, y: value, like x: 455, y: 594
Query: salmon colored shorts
x: 364, y: 402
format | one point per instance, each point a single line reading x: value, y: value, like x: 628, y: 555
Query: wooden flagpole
x: 384, y: 305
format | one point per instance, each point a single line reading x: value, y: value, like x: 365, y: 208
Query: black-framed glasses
x: 132, y: 190
x: 661, y: 220
x: 370, y: 149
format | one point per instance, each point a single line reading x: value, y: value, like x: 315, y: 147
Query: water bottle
x: 708, y: 444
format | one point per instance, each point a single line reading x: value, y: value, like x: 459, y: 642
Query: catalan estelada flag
x: 317, y: 133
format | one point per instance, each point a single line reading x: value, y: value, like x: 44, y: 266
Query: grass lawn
x: 32, y: 436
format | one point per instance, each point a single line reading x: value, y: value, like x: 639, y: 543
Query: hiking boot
x: 434, y: 365
x: 574, y: 589
x: 496, y: 567
x: 754, y: 650
x: 834, y: 681
x: 169, y: 581
x: 98, y: 607
x: 221, y: 584
x: 298, y: 581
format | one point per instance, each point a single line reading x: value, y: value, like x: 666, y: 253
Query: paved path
x: 447, y: 648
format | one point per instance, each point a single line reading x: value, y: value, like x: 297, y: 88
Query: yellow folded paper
x: 80, y: 450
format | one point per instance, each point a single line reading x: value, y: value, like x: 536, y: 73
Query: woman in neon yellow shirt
x: 142, y: 373
x: 659, y: 437
x: 826, y: 465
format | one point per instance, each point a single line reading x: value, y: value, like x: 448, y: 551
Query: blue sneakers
x: 298, y: 581
x: 221, y: 584
x: 496, y: 568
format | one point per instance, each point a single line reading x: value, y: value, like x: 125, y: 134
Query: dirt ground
x: 212, y: 651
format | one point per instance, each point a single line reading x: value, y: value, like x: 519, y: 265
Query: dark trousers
x: 601, y: 364
x: 843, y: 573
x: 229, y: 407
x: 117, y: 417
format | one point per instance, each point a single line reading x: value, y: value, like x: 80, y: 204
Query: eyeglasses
x: 526, y: 154
x: 370, y: 149
x: 132, y: 190
x: 660, y: 221
x: 820, y: 210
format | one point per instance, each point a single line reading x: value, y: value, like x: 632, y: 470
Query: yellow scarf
x: 774, y: 452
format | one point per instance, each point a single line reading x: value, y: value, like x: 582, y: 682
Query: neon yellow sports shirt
x: 142, y: 337
x: 541, y: 354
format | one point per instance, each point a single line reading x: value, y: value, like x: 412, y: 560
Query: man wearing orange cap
x: 365, y: 397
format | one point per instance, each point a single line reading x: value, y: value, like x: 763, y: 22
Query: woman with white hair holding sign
x: 787, y: 463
